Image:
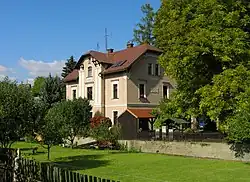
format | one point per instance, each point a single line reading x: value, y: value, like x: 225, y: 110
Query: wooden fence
x: 46, y: 172
x: 32, y: 171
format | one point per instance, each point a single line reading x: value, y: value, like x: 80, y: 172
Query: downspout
x: 102, y: 77
x: 104, y: 101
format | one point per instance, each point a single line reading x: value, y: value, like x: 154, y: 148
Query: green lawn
x: 141, y: 167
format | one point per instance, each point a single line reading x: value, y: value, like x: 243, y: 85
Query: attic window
x: 89, y: 61
x: 117, y: 64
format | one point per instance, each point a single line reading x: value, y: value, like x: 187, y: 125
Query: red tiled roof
x: 141, y: 112
x: 129, y: 55
x: 72, y: 76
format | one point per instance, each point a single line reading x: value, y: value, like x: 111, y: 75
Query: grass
x: 141, y: 167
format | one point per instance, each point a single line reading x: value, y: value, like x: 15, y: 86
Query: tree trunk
x: 194, y: 123
x: 72, y: 143
x: 217, y: 124
x: 49, y: 151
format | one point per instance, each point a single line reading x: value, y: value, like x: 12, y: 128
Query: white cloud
x: 29, y: 81
x: 4, y: 71
x: 41, y: 68
x: 3, y: 68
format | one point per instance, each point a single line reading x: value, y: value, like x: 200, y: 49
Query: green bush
x: 106, y: 135
x: 188, y: 130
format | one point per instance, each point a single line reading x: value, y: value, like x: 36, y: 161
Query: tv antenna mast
x: 106, y: 38
x: 97, y: 46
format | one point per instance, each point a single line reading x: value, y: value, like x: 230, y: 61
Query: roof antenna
x: 97, y: 46
x: 106, y: 38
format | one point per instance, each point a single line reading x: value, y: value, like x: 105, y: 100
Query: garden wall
x: 194, y: 149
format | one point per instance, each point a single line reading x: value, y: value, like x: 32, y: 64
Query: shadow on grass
x: 81, y: 162
x: 26, y: 149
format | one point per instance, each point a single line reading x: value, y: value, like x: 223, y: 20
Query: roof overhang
x: 140, y: 112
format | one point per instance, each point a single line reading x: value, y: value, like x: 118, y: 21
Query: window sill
x: 89, y: 77
x: 115, y: 98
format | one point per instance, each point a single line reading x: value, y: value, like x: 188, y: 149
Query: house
x: 124, y: 85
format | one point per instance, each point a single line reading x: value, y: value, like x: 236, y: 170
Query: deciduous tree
x: 52, y: 131
x: 73, y: 116
x: 38, y: 85
x: 52, y: 91
x: 16, y: 103
x: 200, y: 39
x: 221, y: 99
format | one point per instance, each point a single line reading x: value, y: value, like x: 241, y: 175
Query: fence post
x: 90, y: 179
x: 86, y: 178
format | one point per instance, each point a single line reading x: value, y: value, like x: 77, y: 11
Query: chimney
x: 110, y: 50
x: 130, y: 44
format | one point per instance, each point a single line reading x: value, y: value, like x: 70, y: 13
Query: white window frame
x: 145, y: 95
x: 152, y: 69
x: 113, y: 83
x: 113, y: 121
x: 73, y: 93
x: 90, y: 74
x: 92, y: 92
x: 168, y: 90
x: 159, y: 70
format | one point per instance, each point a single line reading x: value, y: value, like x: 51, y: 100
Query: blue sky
x: 36, y: 36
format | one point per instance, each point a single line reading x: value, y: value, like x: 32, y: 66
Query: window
x: 90, y: 93
x: 157, y: 70
x: 115, y: 117
x: 89, y: 61
x: 115, y: 91
x: 150, y: 69
x: 142, y: 91
x: 91, y: 114
x: 74, y: 94
x: 90, y: 71
x: 165, y: 92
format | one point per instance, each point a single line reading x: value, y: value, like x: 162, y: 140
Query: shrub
x: 97, y: 120
x: 188, y: 130
x: 105, y: 135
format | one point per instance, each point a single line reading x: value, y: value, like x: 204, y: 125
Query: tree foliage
x: 38, y: 85
x: 220, y: 99
x: 52, y: 131
x: 74, y: 116
x: 16, y: 107
x: 143, y: 33
x: 52, y: 91
x: 69, y: 66
x: 200, y: 39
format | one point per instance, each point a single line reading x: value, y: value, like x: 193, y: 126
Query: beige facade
x: 113, y: 93
x: 153, y: 84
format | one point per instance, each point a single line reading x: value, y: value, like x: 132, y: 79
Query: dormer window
x: 90, y: 73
